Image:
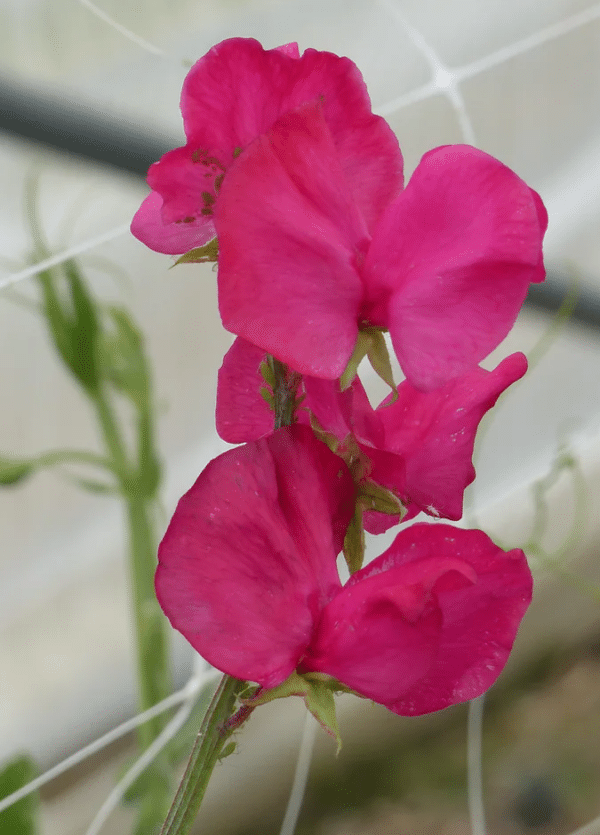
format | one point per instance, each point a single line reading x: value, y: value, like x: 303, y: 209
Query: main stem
x: 151, y: 634
x: 214, y: 733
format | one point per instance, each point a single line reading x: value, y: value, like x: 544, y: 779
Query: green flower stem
x: 112, y: 438
x: 151, y: 632
x: 152, y: 643
x: 152, y: 647
x: 214, y: 733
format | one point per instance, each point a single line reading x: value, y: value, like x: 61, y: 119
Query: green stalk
x: 150, y: 627
x: 214, y: 733
x: 152, y: 648
x: 152, y: 645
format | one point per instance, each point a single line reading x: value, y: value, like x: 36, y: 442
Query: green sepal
x: 317, y: 692
x: 267, y: 396
x: 327, y: 438
x: 20, y: 818
x: 267, y: 373
x: 379, y: 358
x: 227, y: 750
x: 370, y: 343
x: 14, y: 470
x: 354, y: 541
x: 200, y: 254
x: 373, y: 496
x: 361, y: 349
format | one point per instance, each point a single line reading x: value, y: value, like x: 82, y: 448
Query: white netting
x: 446, y: 81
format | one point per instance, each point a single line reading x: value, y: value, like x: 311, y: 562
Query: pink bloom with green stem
x: 247, y: 572
x: 445, y: 268
x: 419, y: 447
x: 235, y: 93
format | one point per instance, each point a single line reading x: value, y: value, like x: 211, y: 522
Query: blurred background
x: 88, y: 99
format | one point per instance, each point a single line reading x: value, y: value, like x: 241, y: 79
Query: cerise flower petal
x: 249, y: 558
x: 242, y: 414
x: 451, y: 261
x: 289, y: 236
x: 434, y: 432
x: 427, y: 624
x: 234, y: 94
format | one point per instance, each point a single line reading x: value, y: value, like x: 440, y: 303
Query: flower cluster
x: 289, y: 176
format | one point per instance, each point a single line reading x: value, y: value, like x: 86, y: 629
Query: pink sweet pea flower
x: 419, y: 447
x: 247, y: 572
x: 235, y: 93
x: 445, y: 268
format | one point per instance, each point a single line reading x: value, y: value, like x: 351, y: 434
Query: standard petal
x: 238, y: 90
x: 242, y: 414
x: 451, y: 261
x: 149, y: 227
x: 289, y: 239
x: 479, y: 594
x: 249, y: 558
x: 434, y: 433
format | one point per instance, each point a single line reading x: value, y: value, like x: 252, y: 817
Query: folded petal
x: 289, y: 239
x: 238, y: 90
x: 434, y: 433
x: 451, y: 262
x: 249, y: 558
x: 149, y: 227
x: 242, y: 414
x: 444, y: 604
x: 331, y: 407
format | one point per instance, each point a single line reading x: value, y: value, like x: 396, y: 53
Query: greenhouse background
x: 88, y: 99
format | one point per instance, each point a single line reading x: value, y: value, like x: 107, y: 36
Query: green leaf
x: 93, y: 486
x: 14, y: 470
x: 20, y: 818
x: 124, y: 359
x: 85, y: 329
x: 73, y: 322
x: 201, y: 254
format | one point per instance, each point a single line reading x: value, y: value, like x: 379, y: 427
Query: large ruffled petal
x: 290, y: 238
x: 234, y: 94
x: 427, y: 624
x: 238, y: 90
x: 249, y: 558
x: 451, y: 262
